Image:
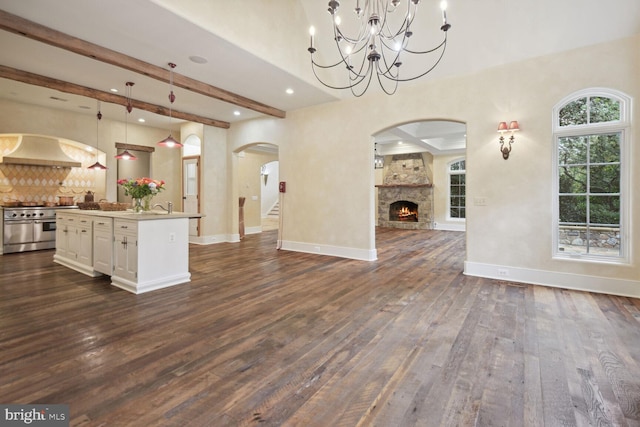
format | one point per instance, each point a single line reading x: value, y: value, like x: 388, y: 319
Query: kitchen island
x: 141, y: 252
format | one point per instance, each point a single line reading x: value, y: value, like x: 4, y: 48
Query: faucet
x: 169, y: 208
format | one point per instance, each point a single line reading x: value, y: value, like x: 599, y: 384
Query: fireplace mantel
x: 403, y: 185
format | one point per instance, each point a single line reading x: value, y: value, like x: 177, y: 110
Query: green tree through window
x: 590, y: 135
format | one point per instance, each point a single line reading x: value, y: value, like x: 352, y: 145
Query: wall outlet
x: 480, y: 201
x: 503, y: 272
x: 172, y: 237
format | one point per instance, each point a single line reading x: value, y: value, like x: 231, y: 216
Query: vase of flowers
x: 142, y: 191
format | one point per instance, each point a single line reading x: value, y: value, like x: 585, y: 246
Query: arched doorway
x: 413, y: 161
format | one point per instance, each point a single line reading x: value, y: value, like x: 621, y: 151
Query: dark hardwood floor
x: 267, y: 337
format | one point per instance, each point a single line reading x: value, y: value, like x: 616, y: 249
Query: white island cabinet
x: 141, y: 252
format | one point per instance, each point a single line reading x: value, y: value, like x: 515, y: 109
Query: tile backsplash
x: 41, y: 184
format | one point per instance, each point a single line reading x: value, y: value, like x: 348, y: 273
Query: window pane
x: 573, y: 179
x: 603, y: 110
x: 572, y: 150
x: 574, y: 113
x: 573, y: 209
x: 454, y: 213
x: 455, y: 179
x: 605, y: 148
x: 463, y: 179
x: 604, y: 179
x: 604, y: 210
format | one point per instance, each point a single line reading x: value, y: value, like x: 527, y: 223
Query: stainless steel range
x: 29, y: 228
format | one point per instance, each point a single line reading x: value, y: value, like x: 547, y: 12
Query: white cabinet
x: 74, y: 242
x: 103, y: 245
x: 141, y: 252
x: 125, y: 250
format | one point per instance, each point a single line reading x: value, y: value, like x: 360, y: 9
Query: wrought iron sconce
x: 505, y: 148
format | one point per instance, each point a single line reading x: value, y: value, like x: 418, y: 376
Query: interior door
x: 191, y: 191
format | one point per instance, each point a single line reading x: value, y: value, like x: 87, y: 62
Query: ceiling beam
x: 35, y: 31
x: 66, y: 87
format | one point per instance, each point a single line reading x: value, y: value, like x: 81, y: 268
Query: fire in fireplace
x: 403, y: 210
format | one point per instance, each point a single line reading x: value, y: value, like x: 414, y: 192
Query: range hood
x: 38, y: 150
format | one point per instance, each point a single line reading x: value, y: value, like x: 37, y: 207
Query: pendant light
x: 97, y: 165
x: 126, y: 155
x: 170, y: 140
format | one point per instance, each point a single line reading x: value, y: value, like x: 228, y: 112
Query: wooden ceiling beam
x: 17, y: 25
x: 66, y: 87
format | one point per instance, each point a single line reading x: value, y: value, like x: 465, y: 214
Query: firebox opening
x: 403, y: 210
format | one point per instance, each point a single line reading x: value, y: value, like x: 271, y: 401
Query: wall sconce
x: 502, y: 128
x: 264, y: 173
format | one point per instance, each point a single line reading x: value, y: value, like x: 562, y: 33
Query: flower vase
x: 142, y: 204
x: 138, y: 205
x: 146, y: 204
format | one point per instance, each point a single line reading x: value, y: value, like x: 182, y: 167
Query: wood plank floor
x: 276, y: 338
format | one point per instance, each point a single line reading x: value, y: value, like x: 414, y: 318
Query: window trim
x: 449, y: 173
x: 623, y: 126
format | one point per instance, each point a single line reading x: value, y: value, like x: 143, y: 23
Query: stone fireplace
x: 405, y: 198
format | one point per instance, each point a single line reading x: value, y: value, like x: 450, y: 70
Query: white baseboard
x: 338, y: 251
x: 450, y: 227
x: 253, y: 230
x: 604, y: 285
x: 216, y: 238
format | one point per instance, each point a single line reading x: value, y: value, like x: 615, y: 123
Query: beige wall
x: 326, y: 157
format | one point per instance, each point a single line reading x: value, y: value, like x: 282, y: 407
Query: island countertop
x: 133, y: 216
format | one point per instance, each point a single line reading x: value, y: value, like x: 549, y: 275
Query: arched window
x: 457, y: 189
x: 591, y: 189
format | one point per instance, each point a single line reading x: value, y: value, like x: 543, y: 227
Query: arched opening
x: 412, y: 163
x: 258, y: 172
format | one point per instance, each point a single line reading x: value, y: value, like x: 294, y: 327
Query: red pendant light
x: 97, y: 165
x: 170, y: 141
x: 126, y: 155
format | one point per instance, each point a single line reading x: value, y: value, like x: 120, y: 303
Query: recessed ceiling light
x: 400, y: 142
x: 198, y: 59
x: 114, y: 90
x: 55, y: 98
x: 289, y: 91
x: 84, y: 107
x: 236, y: 113
x: 141, y: 120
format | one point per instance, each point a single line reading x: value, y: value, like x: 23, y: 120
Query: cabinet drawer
x: 124, y: 226
x: 103, y: 224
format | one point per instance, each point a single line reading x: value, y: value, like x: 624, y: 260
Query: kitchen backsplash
x: 44, y: 183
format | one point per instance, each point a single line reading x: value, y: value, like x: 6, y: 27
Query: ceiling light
x: 377, y: 48
x: 198, y: 59
x: 114, y: 90
x: 125, y: 155
x: 170, y: 140
x: 236, y: 113
x: 97, y: 165
x: 289, y: 91
x: 141, y: 120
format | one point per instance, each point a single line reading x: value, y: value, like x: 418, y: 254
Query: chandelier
x: 380, y: 45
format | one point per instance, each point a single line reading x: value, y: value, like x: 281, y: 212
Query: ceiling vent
x: 37, y: 150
